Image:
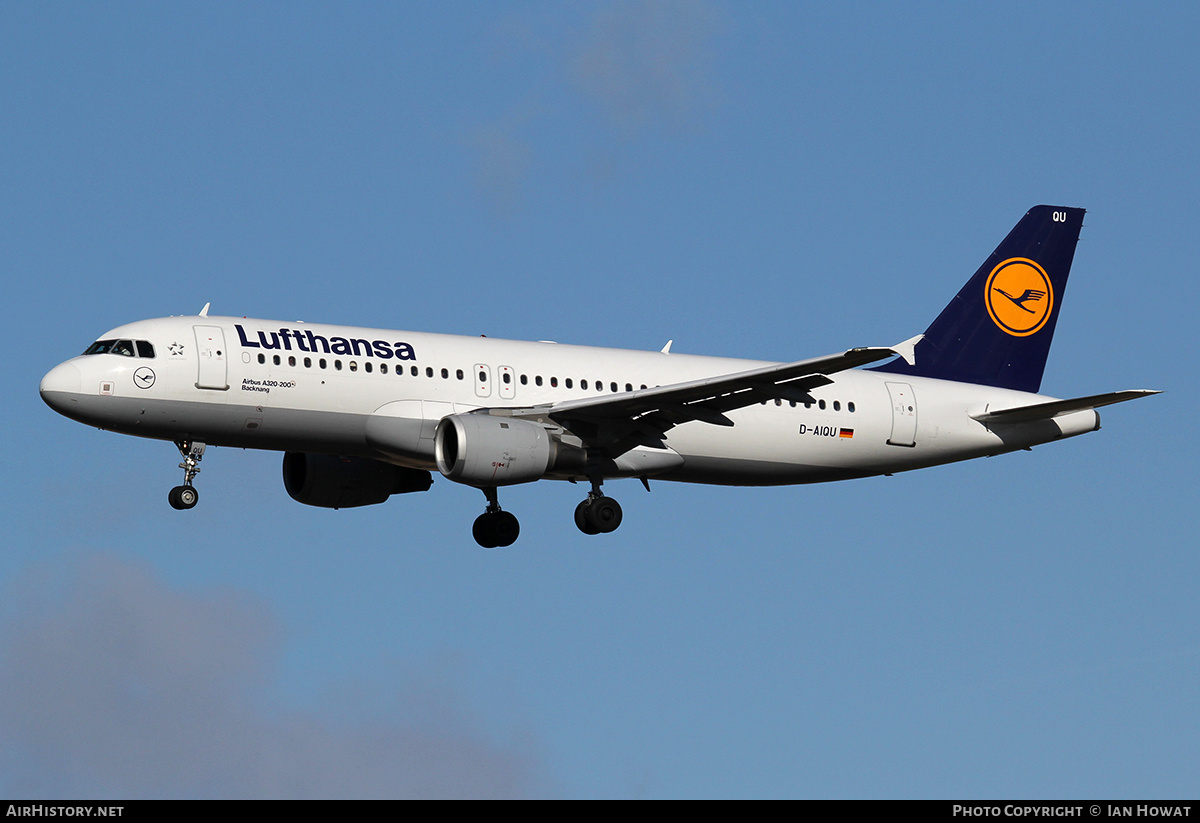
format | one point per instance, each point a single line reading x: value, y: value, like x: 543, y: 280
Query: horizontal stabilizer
x: 1057, y: 408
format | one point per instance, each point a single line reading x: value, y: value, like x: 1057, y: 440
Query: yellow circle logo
x: 1019, y: 296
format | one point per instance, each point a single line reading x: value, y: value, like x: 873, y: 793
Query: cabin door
x: 211, y: 356
x: 904, y: 415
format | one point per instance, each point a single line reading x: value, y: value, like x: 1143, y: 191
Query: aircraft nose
x: 60, y: 386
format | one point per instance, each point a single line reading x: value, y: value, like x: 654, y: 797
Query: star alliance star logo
x: 176, y: 349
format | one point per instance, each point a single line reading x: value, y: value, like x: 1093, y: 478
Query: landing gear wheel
x: 482, y: 531
x: 506, y: 528
x: 183, y: 497
x: 604, y: 515
x: 581, y: 518
x: 496, y: 529
x: 598, y: 515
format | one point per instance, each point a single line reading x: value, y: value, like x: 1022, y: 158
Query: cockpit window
x: 144, y: 348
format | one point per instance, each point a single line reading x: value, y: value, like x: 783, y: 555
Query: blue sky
x: 760, y: 180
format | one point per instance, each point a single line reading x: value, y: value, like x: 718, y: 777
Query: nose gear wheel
x: 185, y: 497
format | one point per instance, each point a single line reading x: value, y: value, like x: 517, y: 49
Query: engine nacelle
x: 482, y: 450
x: 334, y: 482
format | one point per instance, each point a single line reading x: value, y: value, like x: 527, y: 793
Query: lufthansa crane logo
x: 1019, y: 296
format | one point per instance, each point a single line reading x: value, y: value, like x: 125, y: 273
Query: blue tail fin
x: 997, y: 330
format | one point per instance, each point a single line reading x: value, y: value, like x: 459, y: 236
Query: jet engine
x: 482, y: 450
x: 333, y: 482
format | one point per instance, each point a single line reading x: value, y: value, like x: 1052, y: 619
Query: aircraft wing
x: 641, y: 417
x: 1056, y: 408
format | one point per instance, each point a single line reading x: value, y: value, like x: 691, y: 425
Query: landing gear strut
x: 186, y: 496
x: 597, y: 514
x: 495, y: 528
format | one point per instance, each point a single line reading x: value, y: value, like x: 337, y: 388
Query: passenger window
x: 554, y: 382
x: 367, y: 367
x: 308, y: 362
x: 837, y: 405
x: 291, y: 360
x: 524, y: 380
x: 353, y: 365
x: 821, y: 404
x: 582, y: 384
x: 383, y: 368
x: 262, y: 358
x: 482, y: 376
x: 628, y: 387
x: 275, y: 359
x: 445, y: 374
x: 569, y: 383
x: 850, y: 407
x: 145, y: 349
x: 337, y: 365
x: 506, y: 377
x: 414, y: 371
x: 429, y: 371
x: 537, y: 380
x: 458, y: 373
x: 321, y: 362
x: 612, y: 387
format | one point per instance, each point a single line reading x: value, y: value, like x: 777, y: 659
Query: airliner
x: 362, y: 414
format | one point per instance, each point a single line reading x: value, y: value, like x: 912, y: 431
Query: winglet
x: 204, y: 311
x: 907, y: 349
x: 667, y: 348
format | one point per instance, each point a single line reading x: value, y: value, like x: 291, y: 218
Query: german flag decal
x: 847, y: 433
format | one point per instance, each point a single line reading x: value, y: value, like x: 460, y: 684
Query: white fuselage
x: 371, y: 393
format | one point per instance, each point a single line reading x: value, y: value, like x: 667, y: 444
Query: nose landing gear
x: 185, y: 496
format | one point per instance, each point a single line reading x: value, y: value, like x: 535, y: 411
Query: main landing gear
x: 598, y: 514
x: 495, y: 528
x: 186, y: 496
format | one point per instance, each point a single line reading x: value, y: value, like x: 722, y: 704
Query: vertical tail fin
x: 997, y: 330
